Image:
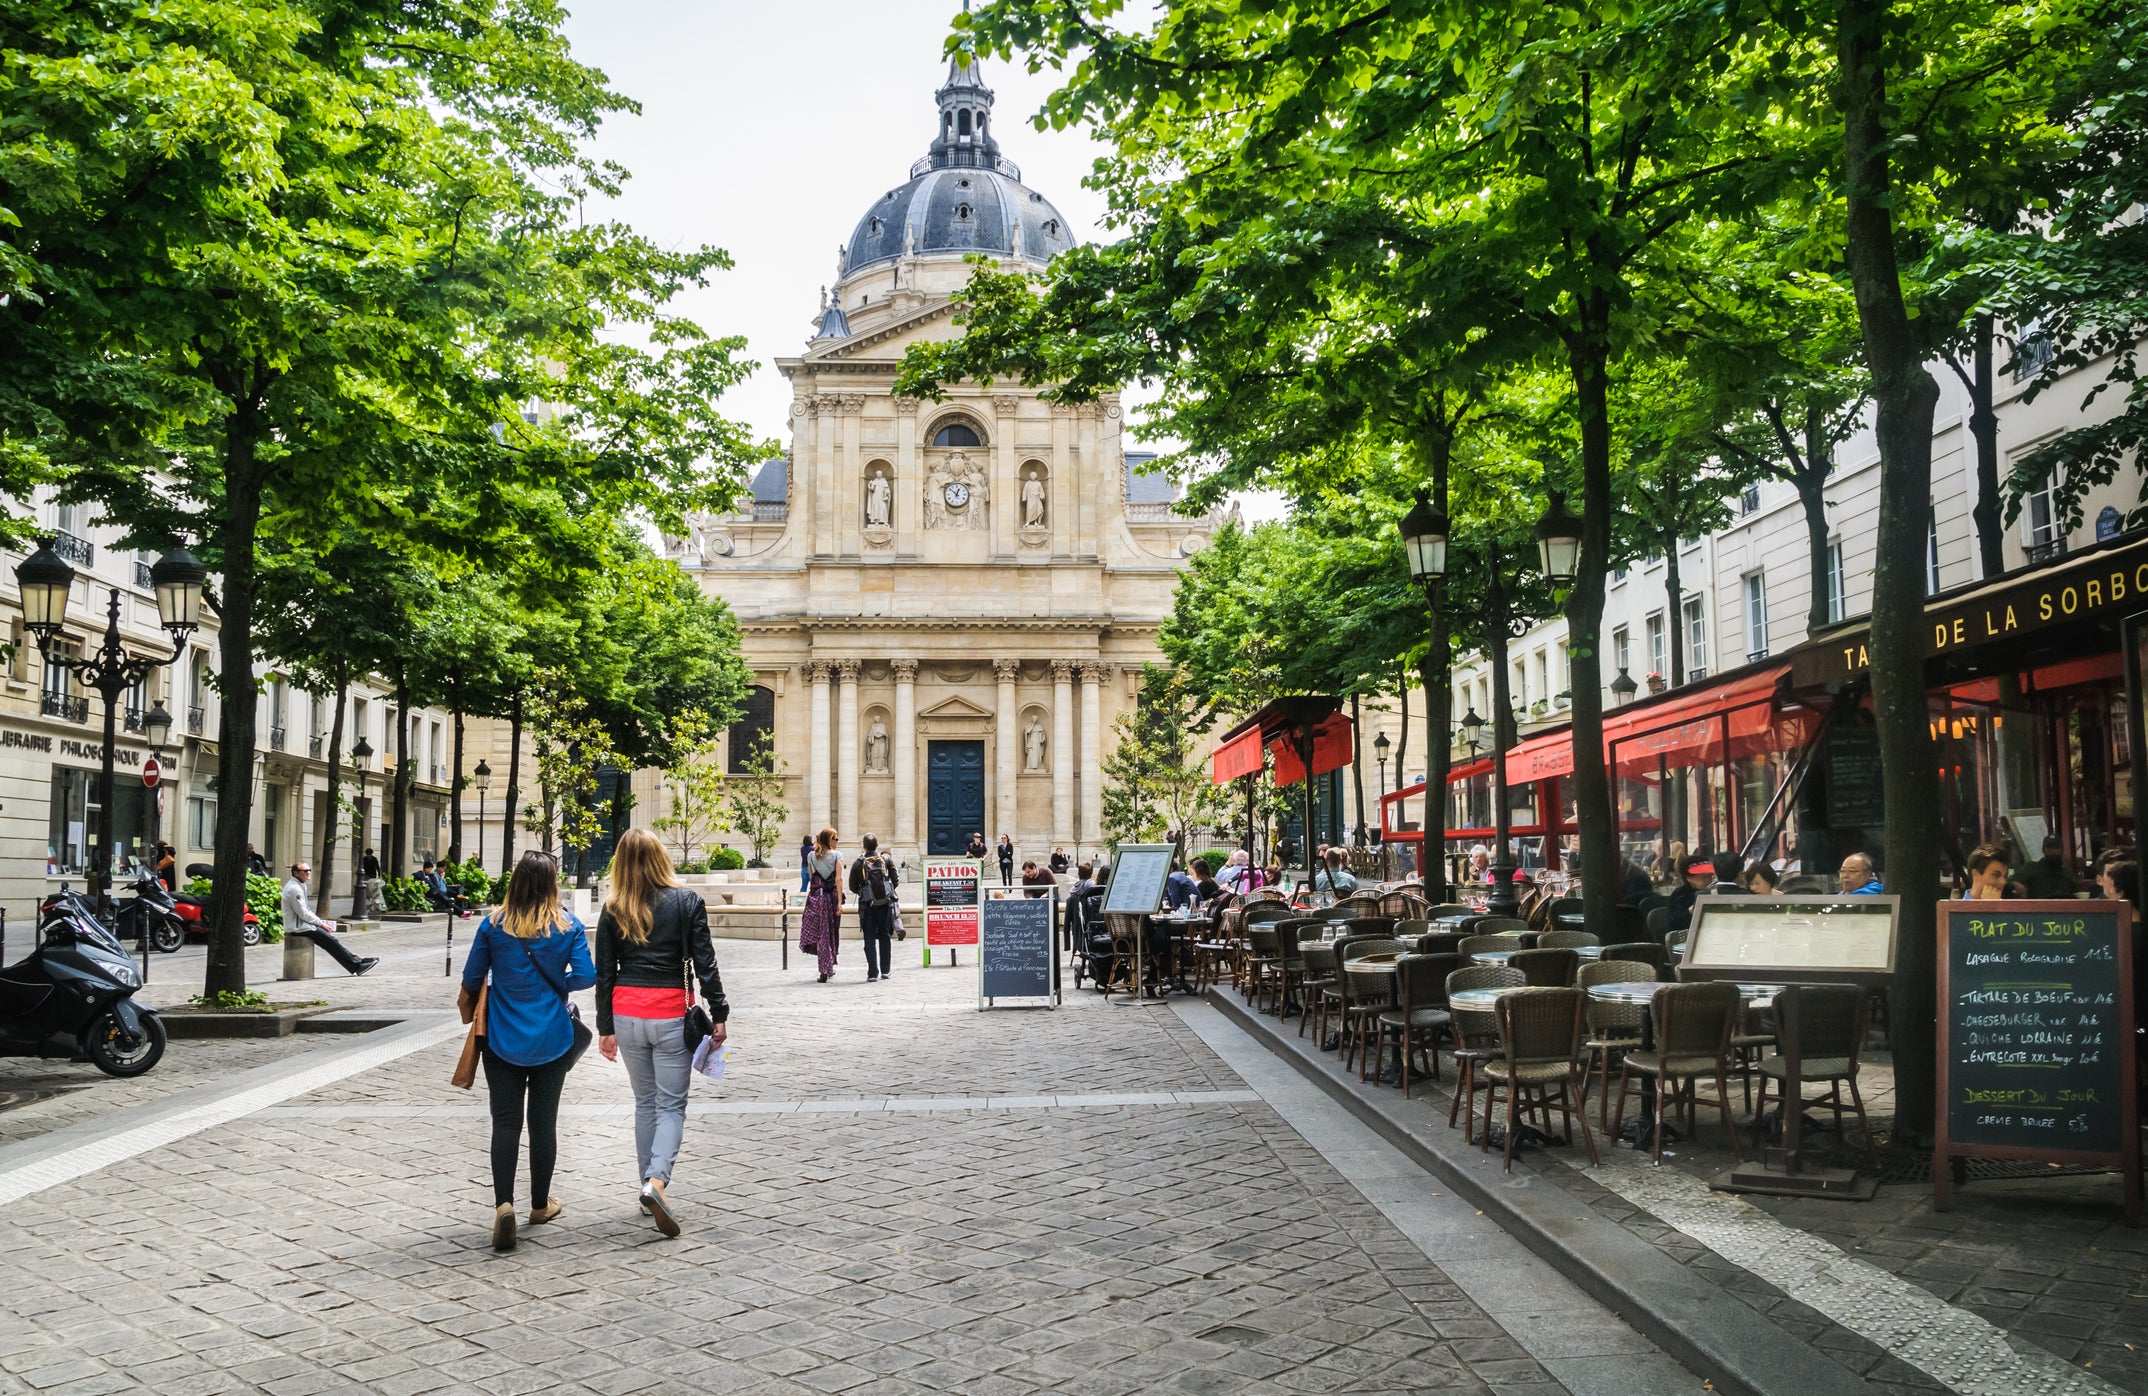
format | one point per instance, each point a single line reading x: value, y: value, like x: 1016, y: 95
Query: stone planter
x: 215, y: 1022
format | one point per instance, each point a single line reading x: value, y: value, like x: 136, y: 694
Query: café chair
x: 1540, y: 1036
x: 1264, y: 956
x: 1830, y: 1021
x: 1564, y: 940
x: 1440, y: 943
x: 1648, y: 952
x: 1473, y: 944
x: 1368, y: 992
x: 1628, y: 923
x: 1693, y: 1023
x: 1369, y: 925
x: 1451, y: 909
x: 1317, y: 977
x: 1409, y: 928
x: 1613, y: 1027
x: 1476, y: 1038
x: 1420, y: 1017
x: 1652, y: 901
x: 1656, y: 922
x: 1546, y: 969
x: 1674, y: 947
x: 1290, y: 960
x: 1808, y: 884
x: 1499, y: 926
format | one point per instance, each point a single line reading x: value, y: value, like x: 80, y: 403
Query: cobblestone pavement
x: 2029, y: 1286
x: 891, y: 1193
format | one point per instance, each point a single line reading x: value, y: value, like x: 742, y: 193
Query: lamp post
x: 156, y: 725
x: 1424, y: 546
x: 1380, y: 744
x: 482, y: 778
x: 361, y: 762
x: 47, y: 583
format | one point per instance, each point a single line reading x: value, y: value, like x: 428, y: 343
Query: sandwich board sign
x: 952, y: 889
x: 1014, y: 951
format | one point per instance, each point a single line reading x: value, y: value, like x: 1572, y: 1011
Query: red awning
x: 1685, y: 723
x: 1240, y: 756
x: 1332, y: 750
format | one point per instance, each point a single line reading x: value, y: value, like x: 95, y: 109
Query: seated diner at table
x: 1695, y: 876
x: 1205, y: 885
x: 1987, y: 874
x: 1856, y: 877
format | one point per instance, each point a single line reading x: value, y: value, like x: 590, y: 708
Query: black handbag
x: 582, y: 1035
x: 696, y: 1022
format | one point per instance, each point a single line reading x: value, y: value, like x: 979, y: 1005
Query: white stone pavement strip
x: 1589, y: 1349
x: 1951, y: 1345
x: 27, y: 1171
x: 927, y: 1104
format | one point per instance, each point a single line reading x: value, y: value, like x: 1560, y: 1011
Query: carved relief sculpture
x: 1033, y: 745
x: 876, y: 748
x: 955, y: 494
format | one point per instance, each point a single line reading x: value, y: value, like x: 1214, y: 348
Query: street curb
x: 192, y: 1024
x: 1711, y: 1332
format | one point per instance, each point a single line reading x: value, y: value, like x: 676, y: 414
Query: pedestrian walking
x: 873, y: 883
x: 805, y: 861
x: 820, y: 929
x: 651, y: 933
x: 1006, y: 861
x: 299, y: 920
x: 528, y: 957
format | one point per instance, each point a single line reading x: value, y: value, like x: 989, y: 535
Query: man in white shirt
x: 299, y: 920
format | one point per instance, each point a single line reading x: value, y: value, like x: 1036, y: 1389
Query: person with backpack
x: 652, y: 933
x: 873, y: 883
x: 526, y: 958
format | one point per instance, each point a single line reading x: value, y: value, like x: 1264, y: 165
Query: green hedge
x: 726, y: 860
x: 1216, y: 858
x: 469, y: 879
x: 264, y: 896
x: 405, y: 894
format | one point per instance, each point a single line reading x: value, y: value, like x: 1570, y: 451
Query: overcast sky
x: 768, y: 128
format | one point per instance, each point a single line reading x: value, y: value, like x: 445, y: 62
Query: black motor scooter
x: 152, y: 909
x: 73, y: 996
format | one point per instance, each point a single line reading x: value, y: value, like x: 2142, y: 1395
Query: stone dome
x: 963, y: 196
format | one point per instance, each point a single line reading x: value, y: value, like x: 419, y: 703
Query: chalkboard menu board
x: 1015, y: 949
x: 2036, y: 1037
x: 1138, y: 871
x: 1853, y: 779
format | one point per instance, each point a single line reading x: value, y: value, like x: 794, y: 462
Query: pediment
x: 954, y: 706
x: 888, y: 340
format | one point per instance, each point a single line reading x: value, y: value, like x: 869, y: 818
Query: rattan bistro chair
x: 1476, y: 944
x: 1565, y: 940
x: 1645, y: 952
x: 1546, y: 969
x: 1419, y: 1017
x: 1499, y: 926
x: 1830, y: 1027
x: 1476, y: 1037
x: 1317, y: 978
x: 1264, y: 958
x: 1693, y: 1023
x: 1613, y: 1027
x: 1540, y: 1035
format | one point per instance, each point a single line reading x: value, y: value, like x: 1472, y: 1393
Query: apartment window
x: 279, y: 704
x: 1520, y: 695
x: 18, y: 662
x: 2032, y: 351
x: 1756, y: 616
x: 1622, y: 649
x: 1749, y: 502
x: 1656, y: 651
x: 1837, y: 603
x: 1564, y: 667
x: 359, y: 727
x: 63, y: 695
x: 1618, y: 573
x: 1543, y: 677
x: 1931, y: 556
x: 201, y: 821
x: 1696, y: 628
x: 2041, y: 533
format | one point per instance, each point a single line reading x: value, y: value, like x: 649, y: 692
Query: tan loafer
x: 503, y: 1227
x: 540, y: 1215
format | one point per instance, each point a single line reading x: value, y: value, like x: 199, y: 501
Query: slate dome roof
x: 963, y: 196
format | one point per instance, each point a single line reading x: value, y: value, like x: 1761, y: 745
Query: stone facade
x: 917, y: 577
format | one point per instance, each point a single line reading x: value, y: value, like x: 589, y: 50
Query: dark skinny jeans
x: 509, y: 1085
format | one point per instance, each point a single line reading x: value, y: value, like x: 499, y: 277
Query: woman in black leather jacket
x: 649, y: 929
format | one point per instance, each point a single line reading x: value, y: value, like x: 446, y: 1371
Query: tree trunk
x: 399, y: 803
x: 455, y: 788
x: 1357, y: 771
x: 1984, y: 430
x: 226, y: 965
x: 1589, y: 354
x: 1905, y: 397
x: 324, y: 877
x: 514, y: 791
x: 1675, y: 598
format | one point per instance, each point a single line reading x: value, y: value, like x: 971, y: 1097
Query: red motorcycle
x: 193, y: 915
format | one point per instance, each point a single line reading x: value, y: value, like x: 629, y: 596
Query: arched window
x: 745, y: 734
x: 956, y: 434
x: 962, y: 123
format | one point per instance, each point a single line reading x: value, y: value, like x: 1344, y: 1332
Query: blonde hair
x: 640, y: 869
x: 824, y: 841
x: 531, y: 908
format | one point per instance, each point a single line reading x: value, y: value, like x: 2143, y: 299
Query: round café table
x: 1492, y: 957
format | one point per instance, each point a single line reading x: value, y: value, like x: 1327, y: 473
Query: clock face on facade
x: 956, y: 494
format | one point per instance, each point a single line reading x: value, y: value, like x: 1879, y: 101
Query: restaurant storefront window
x: 73, y: 816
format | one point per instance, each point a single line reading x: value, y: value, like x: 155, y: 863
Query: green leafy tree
x: 695, y: 783
x: 572, y: 747
x: 753, y: 799
x: 1156, y: 784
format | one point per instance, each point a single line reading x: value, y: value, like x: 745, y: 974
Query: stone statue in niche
x: 879, y: 499
x: 1033, y: 499
x: 876, y: 749
x: 1033, y: 745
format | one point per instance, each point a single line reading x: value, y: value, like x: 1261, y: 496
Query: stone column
x: 1006, y: 488
x: 1007, y: 741
x: 818, y: 771
x: 1092, y: 755
x: 1062, y: 752
x: 905, y: 761
x: 848, y: 755
x: 909, y: 480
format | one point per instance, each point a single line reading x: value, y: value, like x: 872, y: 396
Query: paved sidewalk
x: 890, y: 1194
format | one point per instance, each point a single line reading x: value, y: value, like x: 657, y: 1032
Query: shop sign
x: 2115, y: 581
x: 65, y: 746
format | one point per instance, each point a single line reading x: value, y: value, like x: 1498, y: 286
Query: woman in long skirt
x: 824, y: 903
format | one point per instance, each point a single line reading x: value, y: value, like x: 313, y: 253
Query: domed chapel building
x: 946, y: 605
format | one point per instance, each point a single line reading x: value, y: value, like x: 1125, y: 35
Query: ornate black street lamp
x: 47, y: 584
x: 361, y: 761
x: 483, y: 780
x: 1424, y: 545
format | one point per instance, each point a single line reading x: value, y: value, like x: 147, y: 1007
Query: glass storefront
x: 75, y: 811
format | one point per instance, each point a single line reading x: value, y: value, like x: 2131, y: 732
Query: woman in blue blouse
x: 536, y: 955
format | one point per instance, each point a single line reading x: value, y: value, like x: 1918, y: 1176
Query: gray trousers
x: 657, y: 1062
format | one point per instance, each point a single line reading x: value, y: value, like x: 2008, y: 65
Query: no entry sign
x: 152, y: 773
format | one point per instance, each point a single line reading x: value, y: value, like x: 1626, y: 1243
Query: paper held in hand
x: 711, y: 1059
